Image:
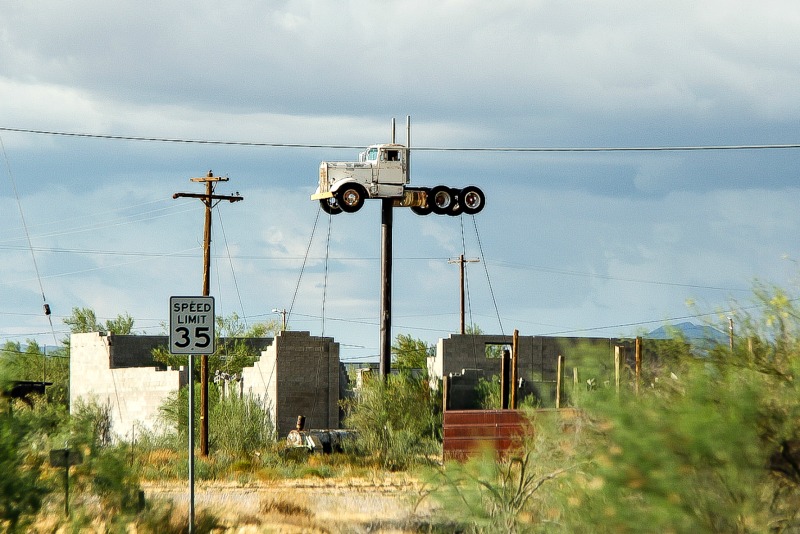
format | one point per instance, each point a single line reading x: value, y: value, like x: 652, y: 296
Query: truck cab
x: 382, y: 172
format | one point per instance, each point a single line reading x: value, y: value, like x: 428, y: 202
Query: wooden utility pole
x: 513, y: 400
x: 209, y: 200
x: 283, y: 314
x: 638, y: 356
x: 461, y: 261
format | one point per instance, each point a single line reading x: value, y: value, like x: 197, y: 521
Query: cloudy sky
x: 600, y: 243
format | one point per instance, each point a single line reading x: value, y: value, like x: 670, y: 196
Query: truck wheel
x: 426, y: 209
x: 350, y: 197
x: 419, y: 210
x: 330, y: 206
x: 441, y: 199
x: 457, y: 207
x: 472, y: 199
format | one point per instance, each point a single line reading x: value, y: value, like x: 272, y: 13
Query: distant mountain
x: 693, y: 333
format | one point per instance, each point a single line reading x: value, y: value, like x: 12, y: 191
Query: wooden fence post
x: 512, y: 401
x: 638, y: 363
x: 558, y: 381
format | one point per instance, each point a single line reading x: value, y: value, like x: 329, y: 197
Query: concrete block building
x: 468, y: 358
x: 120, y: 371
x: 297, y: 374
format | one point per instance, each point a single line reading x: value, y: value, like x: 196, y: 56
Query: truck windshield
x: 372, y: 154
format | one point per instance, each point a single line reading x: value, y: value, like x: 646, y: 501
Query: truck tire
x: 420, y: 210
x: 330, y: 206
x: 456, y: 207
x: 472, y: 200
x: 426, y: 209
x: 441, y: 199
x: 350, y: 197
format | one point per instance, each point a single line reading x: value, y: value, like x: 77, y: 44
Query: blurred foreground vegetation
x: 706, y: 442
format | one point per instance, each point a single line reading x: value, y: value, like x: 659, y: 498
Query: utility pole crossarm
x: 231, y: 198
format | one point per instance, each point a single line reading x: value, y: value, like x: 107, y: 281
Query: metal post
x: 66, y: 484
x: 408, y: 147
x: 386, y: 287
x: 191, y: 443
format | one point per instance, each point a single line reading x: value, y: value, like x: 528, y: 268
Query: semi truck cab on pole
x: 382, y: 172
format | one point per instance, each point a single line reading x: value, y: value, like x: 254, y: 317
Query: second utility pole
x: 461, y: 261
x: 208, y: 200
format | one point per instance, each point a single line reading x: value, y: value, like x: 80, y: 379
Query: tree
x: 21, y: 488
x: 83, y: 320
x: 31, y: 362
x: 397, y: 420
x: 232, y: 355
x: 410, y: 353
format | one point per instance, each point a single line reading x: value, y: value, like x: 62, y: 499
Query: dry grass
x: 380, y: 504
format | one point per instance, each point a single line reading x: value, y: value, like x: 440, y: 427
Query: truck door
x: 371, y: 156
x: 392, y: 166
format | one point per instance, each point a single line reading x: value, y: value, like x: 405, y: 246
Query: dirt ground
x: 390, y: 504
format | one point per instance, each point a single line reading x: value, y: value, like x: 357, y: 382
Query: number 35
x: 201, y: 337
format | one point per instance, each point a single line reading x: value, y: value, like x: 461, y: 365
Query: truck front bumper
x: 321, y: 196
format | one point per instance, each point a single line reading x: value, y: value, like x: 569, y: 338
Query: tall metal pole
x: 191, y: 443
x: 386, y: 287
x: 387, y: 223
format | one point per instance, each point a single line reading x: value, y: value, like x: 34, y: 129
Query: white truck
x: 382, y: 172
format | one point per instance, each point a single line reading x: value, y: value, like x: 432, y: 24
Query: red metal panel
x: 468, y: 431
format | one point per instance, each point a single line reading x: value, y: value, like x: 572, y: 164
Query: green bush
x: 687, y: 459
x: 237, y: 426
x: 241, y: 426
x: 397, y: 420
x: 711, y: 445
x: 21, y: 488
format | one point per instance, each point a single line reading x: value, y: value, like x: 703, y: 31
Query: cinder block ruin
x: 297, y: 373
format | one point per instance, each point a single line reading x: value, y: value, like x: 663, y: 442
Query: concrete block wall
x: 300, y: 375
x: 133, y: 393
x: 297, y: 374
x: 538, y: 359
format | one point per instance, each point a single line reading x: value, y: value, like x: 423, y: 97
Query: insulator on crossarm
x: 46, y: 309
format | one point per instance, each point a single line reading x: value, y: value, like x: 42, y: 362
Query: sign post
x: 191, y: 331
x: 65, y: 458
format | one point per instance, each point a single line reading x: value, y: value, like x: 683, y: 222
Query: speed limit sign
x: 191, y: 325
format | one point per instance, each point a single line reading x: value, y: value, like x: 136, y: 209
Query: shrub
x: 21, y: 488
x: 505, y: 493
x: 396, y: 420
x: 241, y: 426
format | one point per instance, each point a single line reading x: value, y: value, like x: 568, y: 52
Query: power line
x: 186, y: 253
x: 262, y: 144
x: 45, y: 304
